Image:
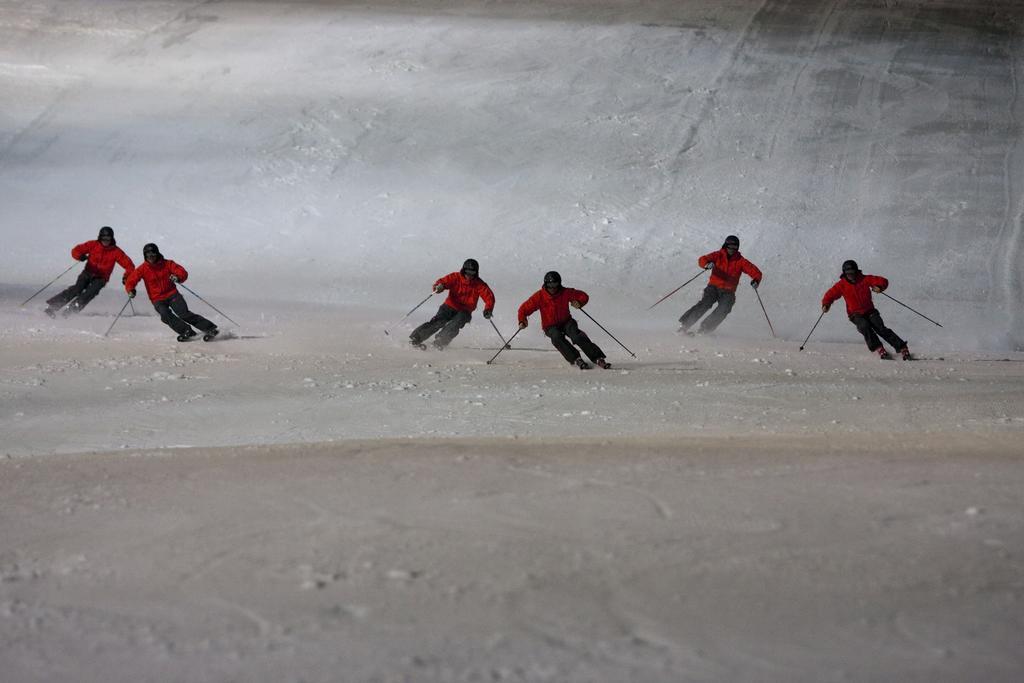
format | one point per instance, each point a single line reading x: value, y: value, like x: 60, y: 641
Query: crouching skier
x: 160, y: 275
x: 465, y: 288
x: 100, y: 256
x: 553, y: 301
x: 856, y: 287
x: 726, y: 265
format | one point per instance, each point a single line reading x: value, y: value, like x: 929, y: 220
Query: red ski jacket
x: 157, y: 277
x: 554, y: 308
x: 726, y: 273
x: 463, y: 293
x: 856, y: 293
x: 102, y: 259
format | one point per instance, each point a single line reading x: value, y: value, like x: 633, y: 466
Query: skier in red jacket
x: 465, y: 288
x: 856, y: 287
x: 553, y: 301
x: 726, y: 265
x: 99, y: 255
x: 160, y: 275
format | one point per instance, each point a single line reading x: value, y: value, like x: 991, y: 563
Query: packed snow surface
x: 310, y: 499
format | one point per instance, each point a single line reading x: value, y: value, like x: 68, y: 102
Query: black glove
x: 709, y: 265
x: 438, y: 288
x: 755, y: 283
x: 488, y: 313
x: 83, y: 257
x: 174, y: 278
x: 131, y: 294
x: 522, y: 324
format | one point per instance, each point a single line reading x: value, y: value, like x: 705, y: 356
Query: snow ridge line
x: 1013, y: 220
x: 819, y: 34
x: 671, y: 175
x: 79, y: 84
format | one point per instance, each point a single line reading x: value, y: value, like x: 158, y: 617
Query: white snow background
x: 338, y: 506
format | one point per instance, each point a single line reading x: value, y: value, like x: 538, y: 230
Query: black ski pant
x: 448, y: 320
x: 558, y: 334
x: 175, y: 314
x: 85, y: 289
x: 725, y: 300
x: 871, y: 326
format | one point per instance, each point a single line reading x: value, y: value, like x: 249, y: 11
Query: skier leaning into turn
x: 726, y: 265
x: 553, y: 301
x: 856, y: 287
x: 465, y: 289
x: 100, y: 256
x: 160, y: 276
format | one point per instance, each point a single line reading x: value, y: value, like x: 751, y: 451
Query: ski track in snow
x: 1008, y: 253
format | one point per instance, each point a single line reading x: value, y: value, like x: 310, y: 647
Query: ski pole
x: 118, y: 316
x: 675, y: 290
x: 812, y: 330
x: 506, y: 346
x: 607, y: 332
x: 765, y: 312
x: 206, y: 302
x: 499, y: 334
x: 908, y: 307
x: 133, y: 307
x: 48, y: 284
x: 388, y: 330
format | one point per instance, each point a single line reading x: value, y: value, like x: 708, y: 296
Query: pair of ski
x: 584, y: 365
x: 207, y: 336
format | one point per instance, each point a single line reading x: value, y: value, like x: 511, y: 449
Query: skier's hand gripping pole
x: 206, y: 302
x: 908, y: 307
x: 388, y: 330
x: 607, y: 332
x: 823, y: 311
x: 675, y: 290
x: 49, y: 283
x: 508, y: 345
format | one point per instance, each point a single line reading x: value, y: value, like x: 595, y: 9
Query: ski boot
x: 905, y: 354
x: 417, y: 344
x: 70, y: 310
x: 882, y: 353
x: 187, y: 336
x: 603, y: 364
x: 210, y: 335
x: 438, y: 346
x: 582, y: 364
x: 51, y: 311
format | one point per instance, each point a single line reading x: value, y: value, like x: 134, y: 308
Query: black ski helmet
x: 151, y: 249
x: 731, y: 240
x: 106, y: 231
x: 470, y: 265
x: 552, y: 278
x: 850, y: 265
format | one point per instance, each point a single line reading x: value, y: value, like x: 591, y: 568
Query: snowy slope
x: 352, y: 153
x: 311, y: 500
